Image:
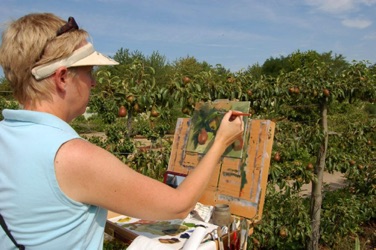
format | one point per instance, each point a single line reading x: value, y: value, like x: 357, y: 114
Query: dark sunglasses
x: 69, y: 26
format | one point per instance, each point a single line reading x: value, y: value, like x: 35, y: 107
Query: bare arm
x: 91, y: 175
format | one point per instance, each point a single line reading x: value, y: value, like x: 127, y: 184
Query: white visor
x: 84, y: 56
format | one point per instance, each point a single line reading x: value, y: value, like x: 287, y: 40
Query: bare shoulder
x: 79, y: 155
x: 80, y: 150
x: 83, y: 169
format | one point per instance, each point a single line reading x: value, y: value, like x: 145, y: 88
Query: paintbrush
x: 244, y: 229
x: 220, y: 242
x: 235, y: 113
x: 238, y: 113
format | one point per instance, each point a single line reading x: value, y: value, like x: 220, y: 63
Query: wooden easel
x: 241, y: 183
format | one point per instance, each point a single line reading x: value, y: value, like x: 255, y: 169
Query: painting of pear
x: 202, y: 137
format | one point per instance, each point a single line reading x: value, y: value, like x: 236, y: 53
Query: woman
x: 55, y: 187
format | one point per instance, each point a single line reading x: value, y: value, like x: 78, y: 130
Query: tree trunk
x: 317, y: 186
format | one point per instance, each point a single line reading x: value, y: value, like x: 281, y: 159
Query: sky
x: 233, y: 33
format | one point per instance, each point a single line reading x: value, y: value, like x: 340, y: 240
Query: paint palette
x: 172, y: 232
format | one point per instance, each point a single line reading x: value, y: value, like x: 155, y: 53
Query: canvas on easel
x: 240, y: 177
x: 205, y: 123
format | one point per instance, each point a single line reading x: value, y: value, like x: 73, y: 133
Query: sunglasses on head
x: 69, y: 26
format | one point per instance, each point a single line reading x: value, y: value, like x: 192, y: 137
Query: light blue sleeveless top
x: 37, y: 212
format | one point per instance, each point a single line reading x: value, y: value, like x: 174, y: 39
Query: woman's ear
x: 60, y: 78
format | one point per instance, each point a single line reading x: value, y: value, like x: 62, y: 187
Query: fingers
x: 235, y: 117
x: 230, y: 130
x: 232, y: 115
x: 236, y: 120
x: 227, y: 116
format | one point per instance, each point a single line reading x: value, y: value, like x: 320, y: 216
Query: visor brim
x: 84, y: 56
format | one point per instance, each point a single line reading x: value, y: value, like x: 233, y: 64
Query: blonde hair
x: 31, y: 41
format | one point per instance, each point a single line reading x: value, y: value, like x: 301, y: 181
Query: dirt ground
x: 332, y: 181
